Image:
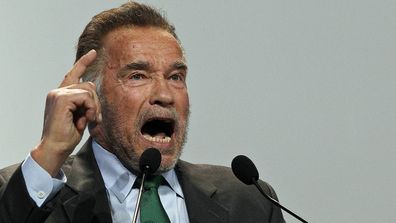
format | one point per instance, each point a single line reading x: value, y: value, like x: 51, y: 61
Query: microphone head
x: 244, y: 169
x: 150, y: 160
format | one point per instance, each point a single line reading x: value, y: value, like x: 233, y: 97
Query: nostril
x: 162, y: 102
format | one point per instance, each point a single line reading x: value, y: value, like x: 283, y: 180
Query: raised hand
x: 68, y: 110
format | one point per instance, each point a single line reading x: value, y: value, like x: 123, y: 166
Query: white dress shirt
x: 118, y: 182
x: 40, y: 185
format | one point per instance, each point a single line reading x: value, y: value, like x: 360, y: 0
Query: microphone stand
x: 276, y: 202
x: 137, y: 206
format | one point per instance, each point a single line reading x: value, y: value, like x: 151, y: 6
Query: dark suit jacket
x: 212, y: 194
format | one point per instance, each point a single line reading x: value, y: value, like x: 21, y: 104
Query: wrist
x: 48, y: 158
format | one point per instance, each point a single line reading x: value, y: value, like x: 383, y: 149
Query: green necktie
x: 151, y: 209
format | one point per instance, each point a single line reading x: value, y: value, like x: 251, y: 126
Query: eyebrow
x: 180, y: 65
x: 138, y: 65
x: 144, y: 65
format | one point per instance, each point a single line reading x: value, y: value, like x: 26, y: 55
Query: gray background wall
x: 305, y: 88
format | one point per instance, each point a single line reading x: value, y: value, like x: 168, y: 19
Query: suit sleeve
x: 16, y: 204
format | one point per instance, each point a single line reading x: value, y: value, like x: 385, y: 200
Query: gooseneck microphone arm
x: 137, y: 206
x: 245, y: 170
x: 149, y: 162
x: 275, y: 202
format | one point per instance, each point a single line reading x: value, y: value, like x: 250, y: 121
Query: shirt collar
x: 171, y: 178
x: 119, y: 179
x: 116, y: 177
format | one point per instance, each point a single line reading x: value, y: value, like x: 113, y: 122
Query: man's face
x: 143, y: 95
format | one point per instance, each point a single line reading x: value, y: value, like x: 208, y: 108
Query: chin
x: 168, y: 163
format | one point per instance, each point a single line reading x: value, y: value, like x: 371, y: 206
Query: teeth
x: 160, y: 139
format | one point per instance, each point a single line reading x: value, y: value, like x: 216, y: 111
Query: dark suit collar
x: 86, y: 197
x: 88, y: 193
x: 200, y: 195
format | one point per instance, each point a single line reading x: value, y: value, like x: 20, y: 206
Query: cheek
x: 183, y: 103
x: 121, y: 106
x: 129, y: 104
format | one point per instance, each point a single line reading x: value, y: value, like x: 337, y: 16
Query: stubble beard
x: 124, y: 145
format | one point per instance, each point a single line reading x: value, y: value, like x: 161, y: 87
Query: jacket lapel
x: 84, y: 198
x: 200, y: 196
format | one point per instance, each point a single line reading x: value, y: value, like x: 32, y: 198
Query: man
x: 134, y: 96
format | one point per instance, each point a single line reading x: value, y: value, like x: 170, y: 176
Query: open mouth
x: 158, y: 130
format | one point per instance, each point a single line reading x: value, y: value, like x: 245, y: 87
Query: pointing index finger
x: 74, y: 75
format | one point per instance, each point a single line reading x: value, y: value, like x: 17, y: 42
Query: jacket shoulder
x: 7, y: 172
x: 243, y: 202
x: 220, y: 176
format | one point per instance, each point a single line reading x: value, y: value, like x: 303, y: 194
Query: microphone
x: 245, y: 170
x: 149, y: 162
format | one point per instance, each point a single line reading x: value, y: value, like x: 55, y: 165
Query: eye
x: 137, y: 77
x: 177, y: 77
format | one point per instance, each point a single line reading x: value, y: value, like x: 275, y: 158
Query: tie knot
x: 153, y: 182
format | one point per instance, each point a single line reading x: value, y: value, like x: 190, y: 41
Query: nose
x: 161, y: 93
